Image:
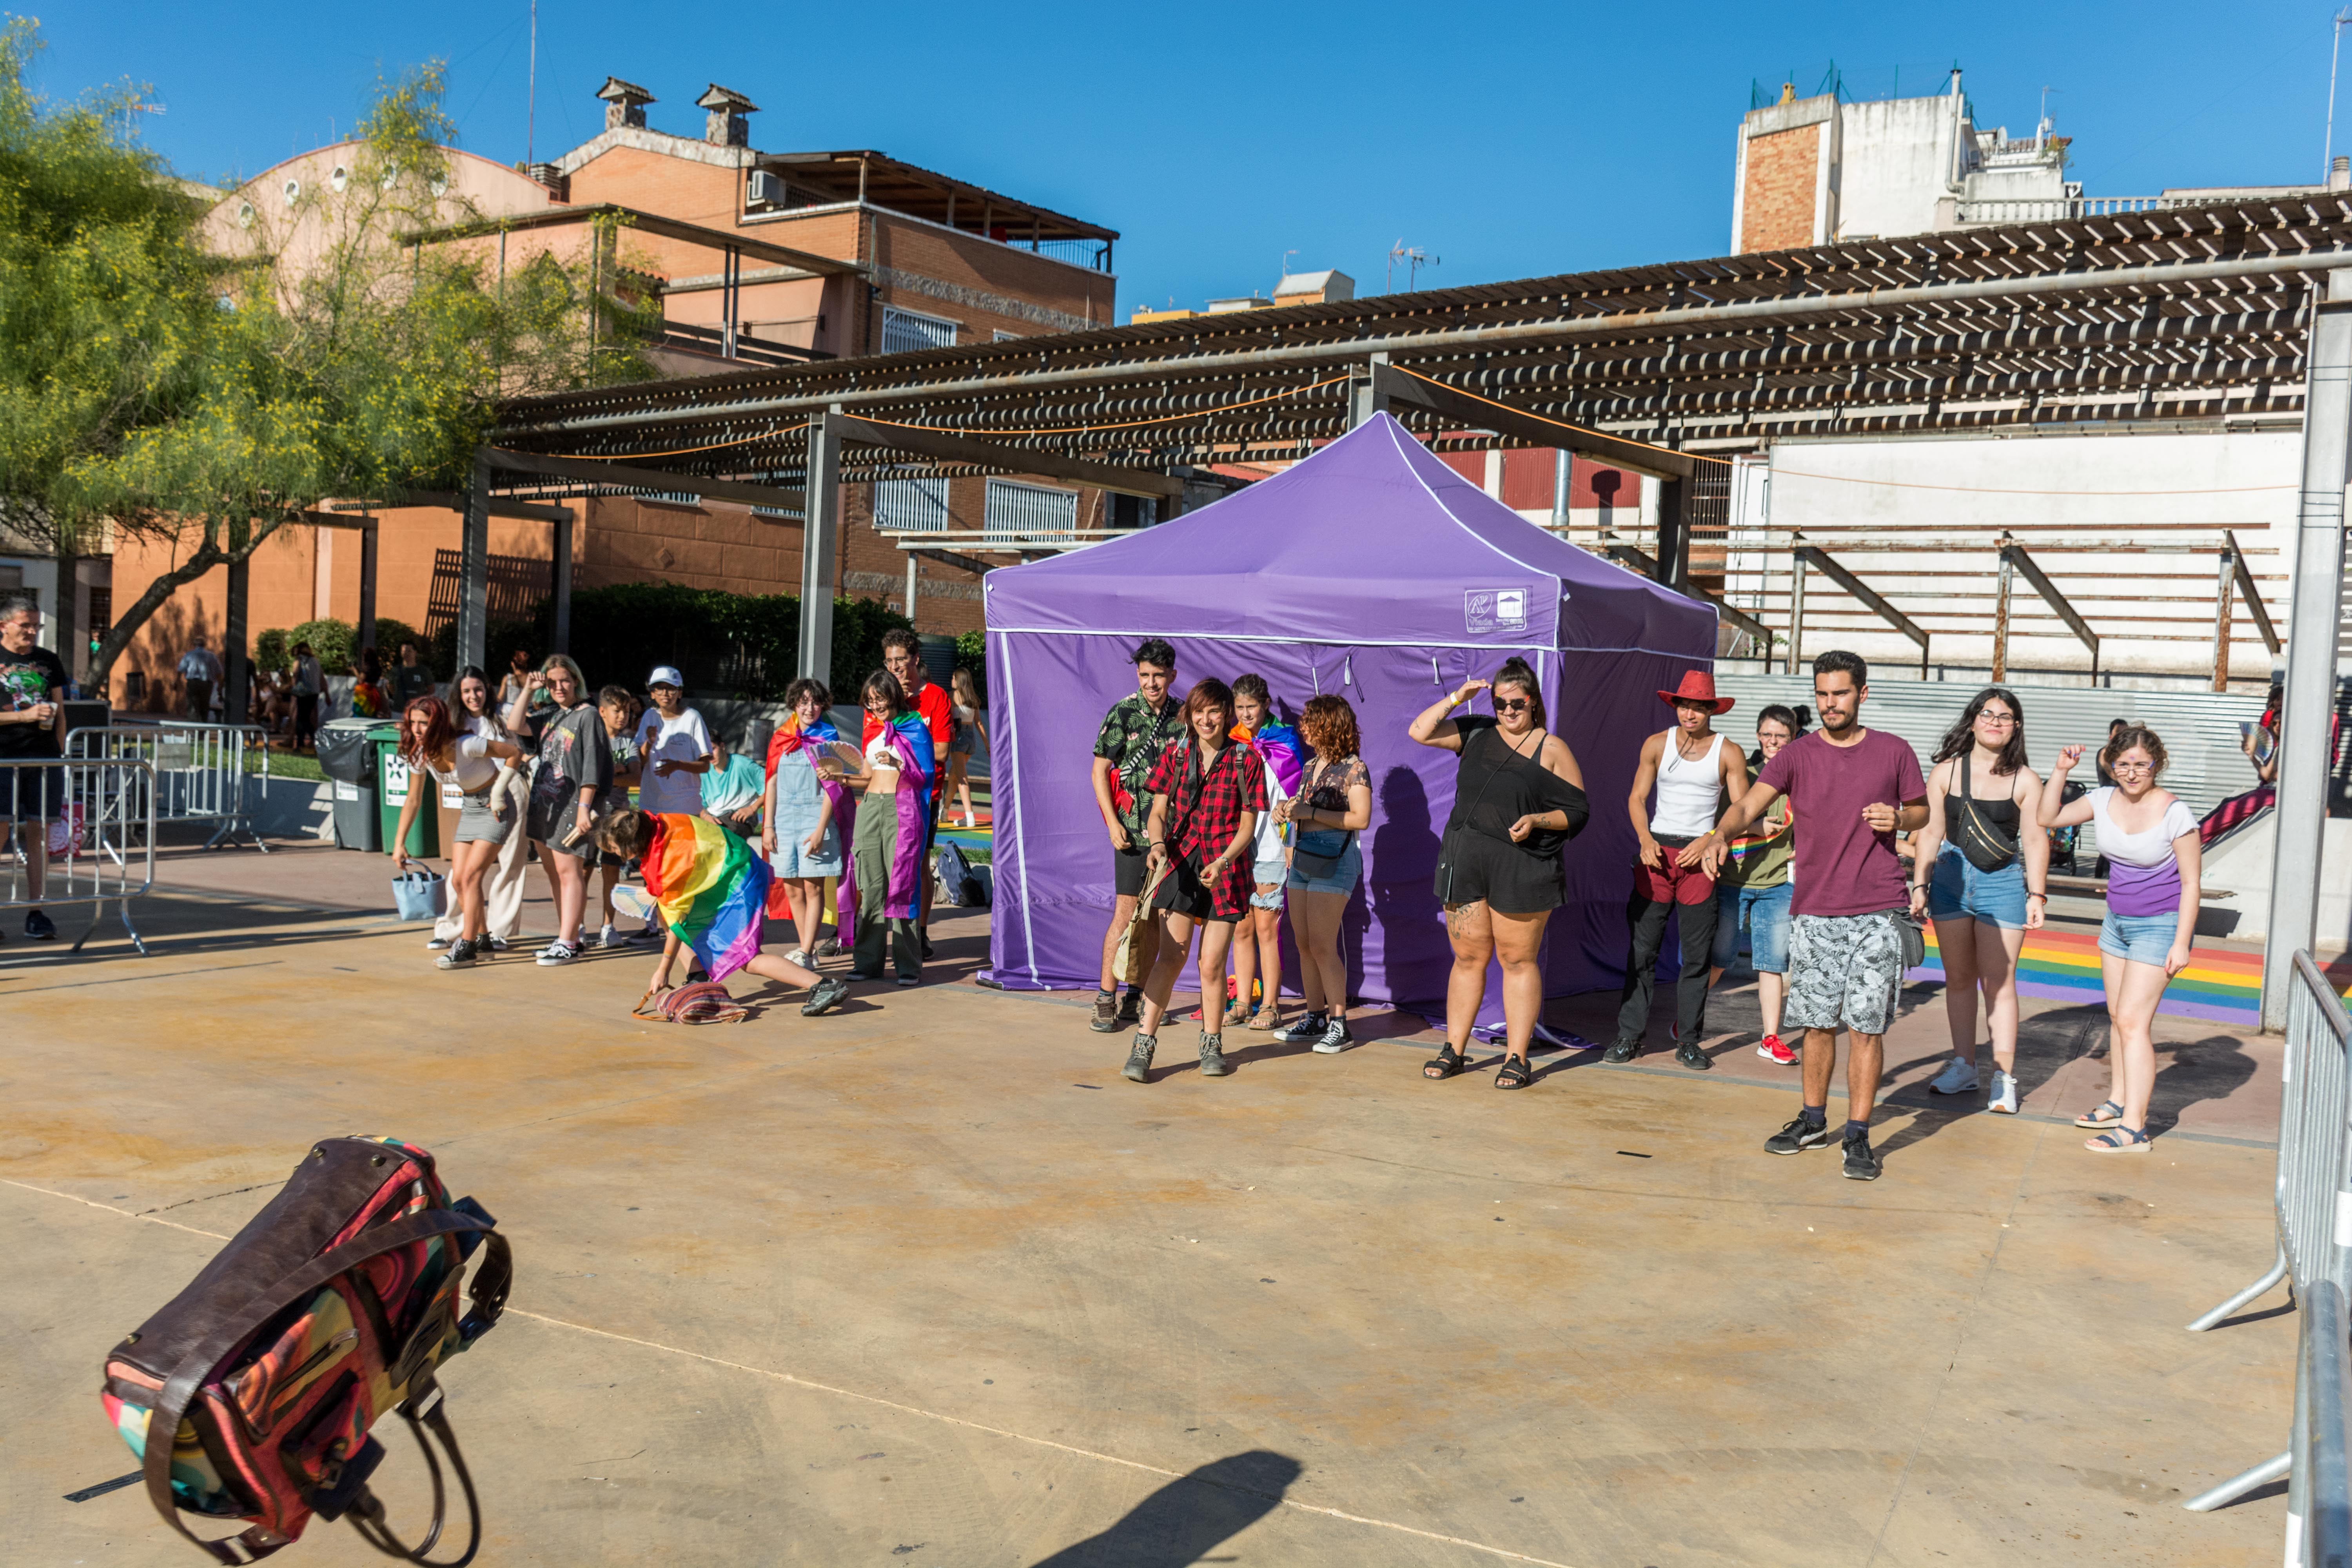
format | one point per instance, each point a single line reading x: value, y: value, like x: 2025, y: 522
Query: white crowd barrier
x: 2313, y: 1203
x: 74, y: 795
x: 199, y: 774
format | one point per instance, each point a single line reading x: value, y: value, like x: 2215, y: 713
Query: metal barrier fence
x: 199, y: 774
x: 2313, y: 1204
x: 73, y: 795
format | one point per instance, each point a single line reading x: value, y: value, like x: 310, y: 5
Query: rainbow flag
x: 710, y: 888
x: 1282, y: 751
x: 2222, y: 986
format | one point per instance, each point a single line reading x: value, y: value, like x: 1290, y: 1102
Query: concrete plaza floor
x: 928, y: 1282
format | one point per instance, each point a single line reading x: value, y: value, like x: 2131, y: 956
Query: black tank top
x: 1496, y: 786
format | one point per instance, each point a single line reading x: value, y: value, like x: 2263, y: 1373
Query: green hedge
x: 971, y: 654
x: 743, y: 646
x: 334, y: 641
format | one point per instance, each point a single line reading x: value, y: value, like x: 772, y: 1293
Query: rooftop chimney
x: 2339, y: 174
x: 726, y: 125
x: 624, y: 103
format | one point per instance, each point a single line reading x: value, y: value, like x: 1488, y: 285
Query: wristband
x: 2043, y: 897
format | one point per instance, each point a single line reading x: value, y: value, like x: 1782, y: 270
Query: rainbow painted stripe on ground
x: 2219, y: 985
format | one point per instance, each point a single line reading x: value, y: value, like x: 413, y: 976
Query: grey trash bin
x: 348, y: 759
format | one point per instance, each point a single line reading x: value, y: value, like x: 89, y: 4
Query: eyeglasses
x: 1988, y: 717
x: 2131, y: 768
x: 1512, y: 704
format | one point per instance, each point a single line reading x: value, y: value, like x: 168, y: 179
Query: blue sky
x: 1505, y: 139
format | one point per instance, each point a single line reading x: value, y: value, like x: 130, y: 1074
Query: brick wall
x: 1777, y: 201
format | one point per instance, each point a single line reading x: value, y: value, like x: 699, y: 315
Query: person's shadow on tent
x: 1404, y: 852
x: 1188, y: 1518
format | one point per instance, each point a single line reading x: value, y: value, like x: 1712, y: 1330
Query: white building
x: 1818, y: 171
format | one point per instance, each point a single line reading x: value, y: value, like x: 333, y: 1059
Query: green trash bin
x: 394, y: 779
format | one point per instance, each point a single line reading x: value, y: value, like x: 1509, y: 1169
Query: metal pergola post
x: 2225, y: 593
x: 820, y: 514
x: 369, y: 534
x: 474, y: 567
x: 236, y: 660
x: 1796, y: 605
x: 559, y: 582
x: 2313, y: 624
x: 1369, y: 394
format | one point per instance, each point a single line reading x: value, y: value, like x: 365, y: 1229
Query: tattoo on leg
x: 1458, y: 916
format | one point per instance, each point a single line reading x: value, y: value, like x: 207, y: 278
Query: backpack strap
x: 179, y: 1390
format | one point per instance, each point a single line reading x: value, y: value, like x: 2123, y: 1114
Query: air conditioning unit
x: 763, y: 192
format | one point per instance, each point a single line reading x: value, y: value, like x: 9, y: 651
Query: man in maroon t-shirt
x: 1851, y: 790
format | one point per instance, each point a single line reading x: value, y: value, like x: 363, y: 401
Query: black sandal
x: 1445, y: 1063
x: 1513, y: 1073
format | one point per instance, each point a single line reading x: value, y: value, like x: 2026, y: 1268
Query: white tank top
x: 1687, y: 791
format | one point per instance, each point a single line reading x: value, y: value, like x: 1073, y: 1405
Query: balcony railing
x: 749, y: 349
x: 2059, y: 209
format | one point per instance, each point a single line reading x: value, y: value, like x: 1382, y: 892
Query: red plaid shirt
x: 1205, y: 811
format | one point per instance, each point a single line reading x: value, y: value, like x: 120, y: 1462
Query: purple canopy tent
x: 1371, y: 570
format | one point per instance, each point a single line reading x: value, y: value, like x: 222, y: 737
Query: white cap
x: 666, y: 674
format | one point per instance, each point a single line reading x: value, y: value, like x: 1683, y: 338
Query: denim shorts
x: 1342, y: 878
x: 1958, y: 890
x: 1763, y: 914
x: 1261, y: 875
x: 2142, y: 939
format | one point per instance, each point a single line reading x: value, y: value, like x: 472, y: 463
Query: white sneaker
x: 556, y: 953
x: 1958, y: 1077
x: 436, y: 943
x: 608, y: 937
x: 2003, y: 1096
x: 798, y: 956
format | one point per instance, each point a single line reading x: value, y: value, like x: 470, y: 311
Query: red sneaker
x: 1772, y: 1050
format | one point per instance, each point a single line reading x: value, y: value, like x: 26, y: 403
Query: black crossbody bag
x: 1988, y: 847
x: 1316, y: 867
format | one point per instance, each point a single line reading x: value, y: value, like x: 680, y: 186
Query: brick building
x: 757, y: 258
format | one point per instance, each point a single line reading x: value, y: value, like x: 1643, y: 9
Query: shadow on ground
x: 1190, y: 1517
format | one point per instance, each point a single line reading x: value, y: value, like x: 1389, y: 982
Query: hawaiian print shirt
x: 1133, y: 735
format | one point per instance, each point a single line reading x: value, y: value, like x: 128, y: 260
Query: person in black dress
x: 1518, y: 798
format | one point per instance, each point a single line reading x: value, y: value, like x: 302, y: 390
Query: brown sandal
x: 1265, y: 1020
x: 1236, y: 1012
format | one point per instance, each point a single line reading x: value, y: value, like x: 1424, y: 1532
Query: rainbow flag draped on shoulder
x: 1279, y: 747
x: 789, y: 739
x: 917, y: 776
x: 711, y: 888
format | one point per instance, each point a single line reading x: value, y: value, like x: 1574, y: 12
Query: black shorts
x: 1472, y: 867
x: 1127, y: 872
x: 26, y: 794
x: 1181, y: 892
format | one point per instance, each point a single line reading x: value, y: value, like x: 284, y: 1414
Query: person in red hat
x: 1693, y: 773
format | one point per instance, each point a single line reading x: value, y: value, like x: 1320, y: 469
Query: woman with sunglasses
x: 1980, y: 868
x: 2150, y: 838
x: 1518, y: 798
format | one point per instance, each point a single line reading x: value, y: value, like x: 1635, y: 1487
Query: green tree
x: 157, y: 383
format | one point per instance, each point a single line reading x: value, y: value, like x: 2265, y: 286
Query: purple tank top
x: 2134, y: 890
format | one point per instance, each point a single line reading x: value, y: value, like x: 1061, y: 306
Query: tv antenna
x: 1414, y: 258
x: 2334, y: 50
x: 1282, y: 269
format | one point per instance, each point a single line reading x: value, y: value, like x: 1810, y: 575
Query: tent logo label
x: 1495, y: 609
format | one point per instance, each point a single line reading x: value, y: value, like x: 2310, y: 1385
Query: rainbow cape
x: 917, y: 770
x: 788, y: 739
x: 711, y: 888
